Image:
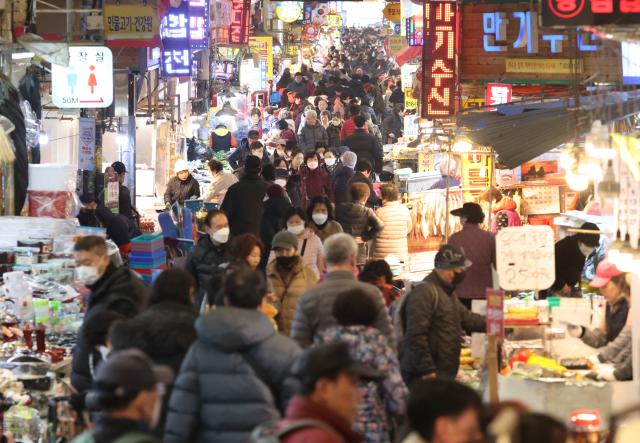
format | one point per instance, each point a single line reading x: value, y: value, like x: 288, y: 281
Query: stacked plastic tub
x: 147, y: 256
x: 51, y: 189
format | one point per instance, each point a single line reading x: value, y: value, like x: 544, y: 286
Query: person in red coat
x: 314, y: 180
x: 329, y: 395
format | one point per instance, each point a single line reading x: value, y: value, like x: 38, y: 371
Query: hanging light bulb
x: 462, y: 144
x: 567, y: 160
x: 577, y: 182
x: 625, y: 260
x: 590, y: 168
x: 43, y: 138
x: 598, y: 143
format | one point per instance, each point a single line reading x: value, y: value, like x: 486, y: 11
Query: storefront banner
x: 543, y: 66
x: 87, y: 144
x: 498, y: 94
x: 240, y: 22
x: 263, y: 48
x: 495, y: 312
x: 525, y: 258
x: 392, y: 12
x: 475, y: 174
x: 593, y: 12
x: 130, y: 25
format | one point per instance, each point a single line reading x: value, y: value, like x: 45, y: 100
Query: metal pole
x: 491, y: 178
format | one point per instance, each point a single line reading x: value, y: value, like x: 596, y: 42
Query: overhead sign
x: 525, y: 257
x: 289, y: 12
x: 543, y: 66
x: 240, y: 22
x: 593, y: 12
x: 133, y: 26
x: 263, y: 48
x: 414, y: 32
x: 392, y: 12
x: 439, y: 59
x: 87, y: 144
x: 88, y: 80
x: 176, y: 52
x: 199, y: 24
x: 395, y: 45
x: 498, y: 94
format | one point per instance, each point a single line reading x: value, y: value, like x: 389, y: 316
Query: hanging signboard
x: 131, y: 25
x: 199, y: 24
x: 439, y: 56
x: 498, y: 94
x: 392, y: 12
x: 263, y: 48
x: 240, y: 22
x: 525, y: 257
x: 395, y: 45
x: 87, y: 144
x: 88, y: 80
x: 176, y: 52
x: 594, y: 12
x: 310, y: 31
x: 333, y: 20
x: 495, y: 313
x: 289, y: 12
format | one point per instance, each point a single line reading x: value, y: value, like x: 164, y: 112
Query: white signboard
x: 88, y: 80
x: 87, y: 144
x: 525, y: 257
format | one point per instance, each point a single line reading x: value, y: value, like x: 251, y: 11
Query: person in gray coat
x: 314, y: 311
x: 237, y: 373
x: 312, y: 133
x: 433, y: 320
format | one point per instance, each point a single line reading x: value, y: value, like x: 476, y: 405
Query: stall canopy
x: 521, y: 132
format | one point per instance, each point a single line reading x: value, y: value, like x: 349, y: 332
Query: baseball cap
x: 450, y: 256
x: 180, y: 166
x: 126, y: 373
x: 471, y: 211
x: 88, y: 198
x: 253, y: 134
x: 604, y: 273
x: 284, y: 240
x: 329, y: 360
x: 119, y: 167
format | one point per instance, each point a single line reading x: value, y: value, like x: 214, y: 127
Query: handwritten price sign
x: 525, y: 258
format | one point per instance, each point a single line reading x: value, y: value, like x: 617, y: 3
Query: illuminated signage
x: 592, y: 12
x: 131, y: 25
x: 199, y: 23
x: 494, y: 25
x: 176, y: 52
x: 414, y: 31
x: 289, y: 12
x: 263, y: 48
x: 240, y: 22
x: 498, y: 94
x: 439, y: 56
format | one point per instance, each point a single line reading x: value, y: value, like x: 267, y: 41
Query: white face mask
x: 87, y: 275
x: 330, y: 161
x: 312, y: 165
x: 586, y: 250
x: 221, y: 235
x: 157, y: 412
x: 281, y: 182
x: 104, y: 351
x: 319, y: 218
x: 295, y: 229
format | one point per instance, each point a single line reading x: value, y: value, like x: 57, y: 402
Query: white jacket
x: 393, y: 240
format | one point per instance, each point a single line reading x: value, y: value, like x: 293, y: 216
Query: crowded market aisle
x: 311, y: 261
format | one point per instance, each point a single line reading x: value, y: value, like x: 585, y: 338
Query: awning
x: 521, y: 132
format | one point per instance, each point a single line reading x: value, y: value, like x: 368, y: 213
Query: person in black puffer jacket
x: 273, y: 219
x: 165, y: 330
x: 237, y: 373
x: 210, y: 252
x: 182, y: 186
x: 359, y: 221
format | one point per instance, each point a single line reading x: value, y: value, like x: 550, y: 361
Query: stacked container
x: 148, y: 255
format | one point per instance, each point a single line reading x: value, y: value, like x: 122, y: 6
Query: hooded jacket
x: 234, y: 377
x: 243, y: 204
x: 314, y: 183
x: 396, y: 219
x: 366, y: 147
x: 179, y: 191
x: 222, y: 140
x: 340, y: 184
x: 333, y: 134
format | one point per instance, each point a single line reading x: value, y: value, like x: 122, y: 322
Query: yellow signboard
x: 410, y: 103
x: 263, y: 48
x: 392, y: 12
x: 130, y: 22
x: 333, y: 20
x: 397, y: 44
x: 542, y: 66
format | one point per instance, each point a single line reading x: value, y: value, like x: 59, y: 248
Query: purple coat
x: 480, y: 247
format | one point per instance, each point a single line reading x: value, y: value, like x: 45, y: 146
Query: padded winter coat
x: 309, y: 135
x: 235, y: 377
x: 392, y: 240
x: 288, y: 288
x: 203, y: 260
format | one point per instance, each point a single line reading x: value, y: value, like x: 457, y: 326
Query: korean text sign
x: 498, y: 94
x: 88, y: 80
x: 184, y: 28
x: 495, y: 313
x: 590, y: 12
x: 439, y: 55
x: 131, y: 25
x: 240, y: 22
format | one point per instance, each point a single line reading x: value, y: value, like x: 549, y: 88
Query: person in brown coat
x: 289, y: 277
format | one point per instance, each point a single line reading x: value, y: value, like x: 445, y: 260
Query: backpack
x: 398, y: 312
x: 272, y: 432
x: 129, y: 437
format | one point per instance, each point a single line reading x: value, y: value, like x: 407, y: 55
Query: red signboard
x: 439, y: 59
x: 590, y: 12
x: 240, y: 22
x: 498, y: 94
x: 495, y: 312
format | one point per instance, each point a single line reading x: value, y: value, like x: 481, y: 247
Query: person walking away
x: 359, y: 221
x: 396, y: 218
x: 182, y: 186
x: 274, y: 218
x: 433, y: 320
x: 243, y: 201
x: 238, y: 364
x: 289, y: 277
x: 314, y: 180
x: 333, y: 130
x: 314, y: 311
x: 127, y: 393
x: 364, y: 174
x: 505, y: 215
x: 237, y: 157
x: 349, y: 126
x: 443, y: 411
x: 312, y: 133
x: 447, y: 170
x: 221, y: 181
x: 115, y: 290
x: 342, y: 176
x: 320, y: 217
x: 222, y: 140
x: 392, y: 126
x: 365, y: 145
x: 298, y: 86
x: 211, y: 251
x: 383, y: 403
x: 479, y: 247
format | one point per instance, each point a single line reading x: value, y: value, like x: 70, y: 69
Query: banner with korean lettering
x: 439, y: 59
x: 495, y: 312
x: 263, y: 48
x: 591, y: 12
x: 198, y: 24
x: 131, y: 25
x: 240, y: 22
x: 176, y: 52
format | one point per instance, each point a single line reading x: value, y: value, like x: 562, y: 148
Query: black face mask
x: 286, y: 263
x: 458, y: 277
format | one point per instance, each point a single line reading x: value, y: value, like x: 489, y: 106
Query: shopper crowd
x: 286, y: 323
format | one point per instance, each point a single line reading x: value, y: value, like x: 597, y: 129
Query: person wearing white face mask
x: 309, y: 244
x: 320, y: 216
x: 114, y: 291
x: 314, y: 180
x: 210, y: 252
x: 127, y: 392
x: 331, y: 162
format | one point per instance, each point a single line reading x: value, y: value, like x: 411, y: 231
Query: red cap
x: 604, y: 273
x: 585, y: 417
